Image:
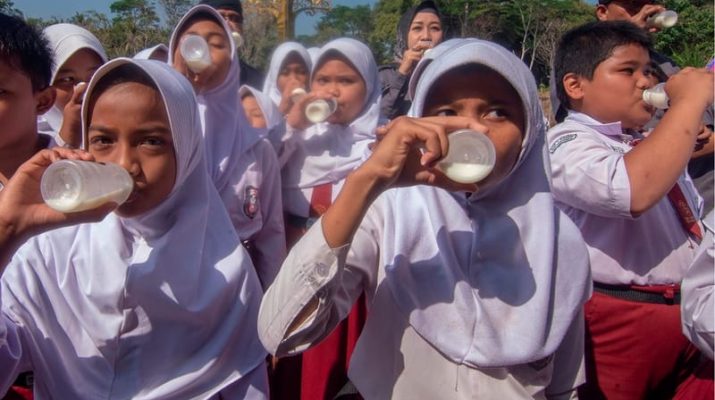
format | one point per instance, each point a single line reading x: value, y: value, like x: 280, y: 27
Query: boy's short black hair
x: 583, y: 48
x: 26, y: 49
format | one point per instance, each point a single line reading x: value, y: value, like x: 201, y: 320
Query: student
x: 159, y: 53
x: 156, y: 300
x: 289, y: 70
x: 318, y: 158
x: 242, y: 165
x: 420, y: 29
x: 260, y: 110
x: 468, y: 298
x: 232, y: 12
x: 637, y: 210
x: 77, y: 54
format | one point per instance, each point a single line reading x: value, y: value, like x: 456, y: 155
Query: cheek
x: 160, y: 173
x: 507, y: 145
x: 63, y: 97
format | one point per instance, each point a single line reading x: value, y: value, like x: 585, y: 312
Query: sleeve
x: 314, y: 272
x: 394, y: 88
x: 270, y: 241
x: 698, y: 302
x: 587, y: 174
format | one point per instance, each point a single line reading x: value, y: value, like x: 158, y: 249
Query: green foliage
x: 690, y: 42
x: 8, y: 7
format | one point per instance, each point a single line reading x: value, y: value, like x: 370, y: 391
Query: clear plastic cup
x: 656, y: 96
x: 663, y: 19
x: 72, y: 185
x: 471, y: 157
x: 237, y: 39
x: 319, y: 110
x: 195, y: 52
x: 297, y: 93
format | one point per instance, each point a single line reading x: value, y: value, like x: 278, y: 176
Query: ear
x: 602, y: 12
x: 45, y: 99
x: 573, y: 86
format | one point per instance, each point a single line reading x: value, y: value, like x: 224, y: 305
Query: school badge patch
x: 250, y: 204
x: 560, y: 141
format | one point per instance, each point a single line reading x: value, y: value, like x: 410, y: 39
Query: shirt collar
x: 608, y: 129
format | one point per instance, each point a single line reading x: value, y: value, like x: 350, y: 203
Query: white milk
x: 464, y: 172
x: 319, y: 110
x: 656, y: 96
x: 296, y: 94
x: 237, y: 39
x: 663, y: 19
x: 197, y: 65
x: 68, y: 204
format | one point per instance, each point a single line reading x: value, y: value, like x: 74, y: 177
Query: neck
x: 12, y: 156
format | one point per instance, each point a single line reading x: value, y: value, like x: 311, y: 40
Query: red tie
x: 320, y: 199
x: 685, y: 214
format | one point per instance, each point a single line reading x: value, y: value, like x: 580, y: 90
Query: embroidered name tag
x: 560, y: 141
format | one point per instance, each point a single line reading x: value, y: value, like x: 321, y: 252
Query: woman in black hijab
x: 419, y: 29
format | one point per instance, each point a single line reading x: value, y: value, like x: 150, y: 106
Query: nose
x: 126, y: 157
x: 646, y: 81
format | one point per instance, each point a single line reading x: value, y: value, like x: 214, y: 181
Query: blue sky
x: 67, y: 8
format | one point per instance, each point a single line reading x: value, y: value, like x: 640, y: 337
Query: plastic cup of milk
x: 319, y: 110
x: 71, y: 185
x: 471, y: 157
x: 237, y: 39
x: 656, y: 96
x: 663, y: 19
x: 195, y: 52
x: 297, y: 93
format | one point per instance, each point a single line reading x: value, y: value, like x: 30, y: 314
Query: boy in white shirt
x: 636, y: 208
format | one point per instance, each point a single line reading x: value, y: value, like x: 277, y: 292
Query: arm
x: 655, y: 165
x: 270, y: 241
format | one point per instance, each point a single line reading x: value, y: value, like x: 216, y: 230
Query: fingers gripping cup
x: 656, y: 96
x: 195, y: 52
x: 663, y: 19
x: 72, y: 186
x: 319, y: 110
x: 471, y: 157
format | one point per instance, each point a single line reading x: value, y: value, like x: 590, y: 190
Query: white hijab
x: 525, y: 274
x: 163, y: 305
x: 227, y: 132
x: 313, y: 53
x: 328, y: 152
x: 65, y: 40
x: 147, y: 53
x: 270, y: 85
x: 270, y: 111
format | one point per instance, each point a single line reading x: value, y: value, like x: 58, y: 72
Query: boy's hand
x: 21, y: 201
x: 641, y: 18
x: 408, y: 149
x: 71, y: 130
x: 691, y: 85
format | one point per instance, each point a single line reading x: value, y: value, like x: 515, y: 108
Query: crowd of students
x: 264, y: 255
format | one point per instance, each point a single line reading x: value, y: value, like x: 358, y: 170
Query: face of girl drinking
x: 128, y: 126
x: 337, y: 78
x: 293, y: 73
x: 219, y: 49
x: 253, y: 111
x: 482, y: 94
x: 78, y: 68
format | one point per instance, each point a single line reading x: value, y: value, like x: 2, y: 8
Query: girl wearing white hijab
x: 77, y: 54
x: 242, y: 165
x: 159, y: 299
x: 318, y: 158
x: 472, y: 295
x: 289, y: 69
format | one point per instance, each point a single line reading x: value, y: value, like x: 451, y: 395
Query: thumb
x: 78, y: 93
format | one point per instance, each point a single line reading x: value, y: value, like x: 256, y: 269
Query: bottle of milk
x: 72, y: 185
x: 195, y: 52
x: 319, y: 110
x: 656, y: 96
x: 471, y: 157
x: 662, y: 20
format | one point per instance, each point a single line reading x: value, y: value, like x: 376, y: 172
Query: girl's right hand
x: 408, y: 149
x: 21, y: 201
x: 287, y: 99
x: 296, y: 118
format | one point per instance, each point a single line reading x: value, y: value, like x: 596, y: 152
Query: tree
x: 690, y: 42
x: 342, y: 21
x: 135, y: 26
x: 174, y: 10
x: 259, y: 33
x: 8, y: 7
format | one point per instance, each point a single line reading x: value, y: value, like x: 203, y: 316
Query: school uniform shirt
x: 326, y: 153
x: 469, y: 296
x: 590, y: 183
x: 160, y: 305
x: 65, y: 40
x: 242, y: 165
x: 698, y: 302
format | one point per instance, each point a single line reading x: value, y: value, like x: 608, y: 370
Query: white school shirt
x: 391, y: 360
x: 590, y: 183
x: 256, y: 209
x: 698, y: 302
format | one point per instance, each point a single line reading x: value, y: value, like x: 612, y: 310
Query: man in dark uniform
x: 232, y: 12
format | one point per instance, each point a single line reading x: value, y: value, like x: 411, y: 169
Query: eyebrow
x: 157, y: 128
x: 210, y: 34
